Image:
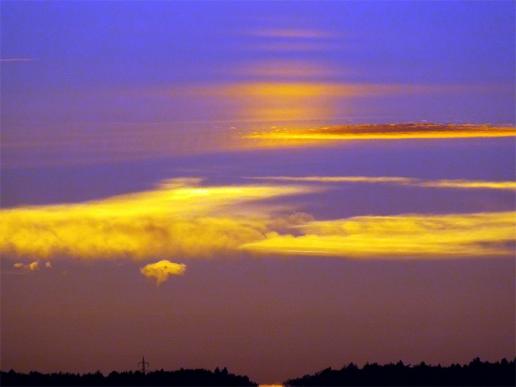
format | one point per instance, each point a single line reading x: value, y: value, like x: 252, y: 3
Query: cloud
x: 32, y: 266
x: 400, y: 236
x: 408, y: 181
x: 178, y: 218
x: 293, y: 137
x: 293, y: 39
x: 288, y: 70
x: 162, y: 270
x: 184, y: 218
x: 291, y: 33
x: 470, y: 184
x: 16, y: 60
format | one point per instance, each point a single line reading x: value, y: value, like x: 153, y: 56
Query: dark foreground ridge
x: 182, y: 377
x: 476, y: 373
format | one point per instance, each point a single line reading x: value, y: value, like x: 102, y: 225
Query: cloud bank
x: 182, y: 218
x: 178, y: 218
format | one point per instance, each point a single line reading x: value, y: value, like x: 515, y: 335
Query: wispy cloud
x: 16, y: 60
x: 398, y: 180
x: 162, y: 270
x: 409, y: 236
x: 293, y: 39
x: 281, y: 70
x: 293, y: 137
x: 291, y: 33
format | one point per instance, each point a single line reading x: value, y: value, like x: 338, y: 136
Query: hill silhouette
x: 476, y: 373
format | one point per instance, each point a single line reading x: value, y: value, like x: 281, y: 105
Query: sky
x: 267, y: 186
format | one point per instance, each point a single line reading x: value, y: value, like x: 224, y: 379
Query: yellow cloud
x: 179, y: 218
x: 292, y: 137
x: 162, y: 270
x: 399, y: 236
x: 442, y: 183
x: 470, y: 184
x: 183, y: 218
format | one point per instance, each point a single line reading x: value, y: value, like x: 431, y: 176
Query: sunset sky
x: 273, y: 187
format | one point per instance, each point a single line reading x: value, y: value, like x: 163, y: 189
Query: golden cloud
x: 181, y: 218
x: 178, y: 218
x: 289, y: 137
x: 441, y: 183
x: 162, y: 270
x: 400, y: 236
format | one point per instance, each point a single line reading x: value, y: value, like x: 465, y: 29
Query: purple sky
x: 107, y: 98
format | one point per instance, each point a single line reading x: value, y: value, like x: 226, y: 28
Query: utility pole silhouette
x: 144, y: 365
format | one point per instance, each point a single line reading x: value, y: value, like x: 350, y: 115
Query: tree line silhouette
x: 182, y: 377
x: 476, y: 373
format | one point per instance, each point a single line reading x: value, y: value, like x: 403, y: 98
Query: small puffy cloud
x: 162, y: 270
x: 32, y: 266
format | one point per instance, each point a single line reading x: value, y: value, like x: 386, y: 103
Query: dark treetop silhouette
x: 182, y: 377
x: 476, y: 373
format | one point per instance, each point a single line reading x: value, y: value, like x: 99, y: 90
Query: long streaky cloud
x: 16, y: 60
x: 398, y: 180
x: 411, y: 131
x: 401, y: 236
